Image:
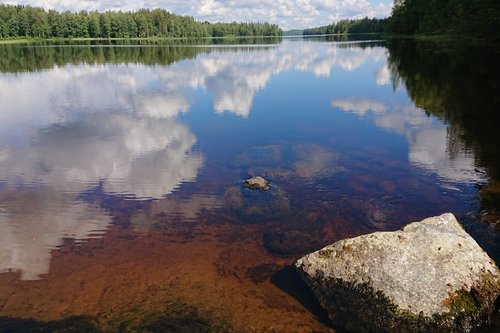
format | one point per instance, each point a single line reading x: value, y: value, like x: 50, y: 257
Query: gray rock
x: 257, y: 183
x: 431, y: 276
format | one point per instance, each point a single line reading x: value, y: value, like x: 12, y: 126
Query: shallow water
x: 121, y: 205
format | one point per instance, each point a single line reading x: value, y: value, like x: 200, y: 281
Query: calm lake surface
x: 121, y: 170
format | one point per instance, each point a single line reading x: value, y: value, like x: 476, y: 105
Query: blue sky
x: 286, y: 13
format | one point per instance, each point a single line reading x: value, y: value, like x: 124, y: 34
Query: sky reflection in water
x: 143, y: 131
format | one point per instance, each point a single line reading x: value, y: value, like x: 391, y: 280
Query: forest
x: 478, y: 18
x: 465, y: 17
x: 365, y: 25
x: 26, y: 21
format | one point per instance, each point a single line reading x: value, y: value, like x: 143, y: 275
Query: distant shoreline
x: 424, y: 37
x: 160, y: 39
x: 152, y: 39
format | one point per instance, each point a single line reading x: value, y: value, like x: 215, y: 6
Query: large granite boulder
x: 431, y: 276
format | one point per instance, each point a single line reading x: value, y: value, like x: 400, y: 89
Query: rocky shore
x: 431, y: 276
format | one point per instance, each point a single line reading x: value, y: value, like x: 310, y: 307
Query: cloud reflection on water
x: 72, y: 128
x: 138, y: 156
x: 383, y: 75
x: 432, y: 145
x: 35, y: 221
x: 85, y: 124
x: 231, y: 76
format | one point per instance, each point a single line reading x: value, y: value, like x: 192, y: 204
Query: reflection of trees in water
x: 231, y: 74
x: 17, y: 58
x: 459, y: 84
x: 21, y: 59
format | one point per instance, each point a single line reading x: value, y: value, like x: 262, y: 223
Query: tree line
x: 365, y: 25
x: 17, y: 21
x: 478, y: 17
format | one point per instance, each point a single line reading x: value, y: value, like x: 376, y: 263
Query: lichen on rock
x: 429, y: 276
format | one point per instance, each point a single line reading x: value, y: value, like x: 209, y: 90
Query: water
x: 121, y: 205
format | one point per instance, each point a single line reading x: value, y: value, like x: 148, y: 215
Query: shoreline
x: 146, y: 39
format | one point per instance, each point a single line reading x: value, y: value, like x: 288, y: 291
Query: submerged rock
x: 263, y: 272
x: 431, y: 276
x: 288, y: 161
x: 250, y: 206
x: 257, y: 183
x: 291, y: 242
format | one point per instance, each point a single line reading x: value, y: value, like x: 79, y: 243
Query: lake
x: 121, y: 171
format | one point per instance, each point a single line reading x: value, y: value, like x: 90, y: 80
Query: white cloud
x: 287, y: 13
x: 164, y: 106
x: 124, y: 131
x: 431, y: 149
x: 383, y: 75
x: 145, y: 157
x: 359, y: 106
x: 35, y: 222
x: 232, y: 78
x: 429, y: 141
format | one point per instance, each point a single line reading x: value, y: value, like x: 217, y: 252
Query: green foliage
x: 464, y: 17
x: 293, y: 32
x: 365, y: 25
x: 26, y: 21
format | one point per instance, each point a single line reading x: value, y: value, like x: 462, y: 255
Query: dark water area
x: 121, y: 170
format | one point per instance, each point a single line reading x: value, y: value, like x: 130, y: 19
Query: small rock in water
x: 431, y: 276
x: 257, y: 183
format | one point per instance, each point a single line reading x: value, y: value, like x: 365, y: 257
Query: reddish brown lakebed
x: 119, y: 280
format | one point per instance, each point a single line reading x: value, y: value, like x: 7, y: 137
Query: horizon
x: 288, y: 15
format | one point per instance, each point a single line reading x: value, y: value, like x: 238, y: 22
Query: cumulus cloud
x: 432, y: 145
x: 383, y: 75
x: 164, y: 106
x: 431, y: 149
x: 356, y: 9
x: 34, y: 222
x: 235, y: 78
x: 232, y: 78
x: 359, y: 106
x: 287, y: 14
x: 124, y: 132
x: 144, y: 157
x: 111, y: 133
